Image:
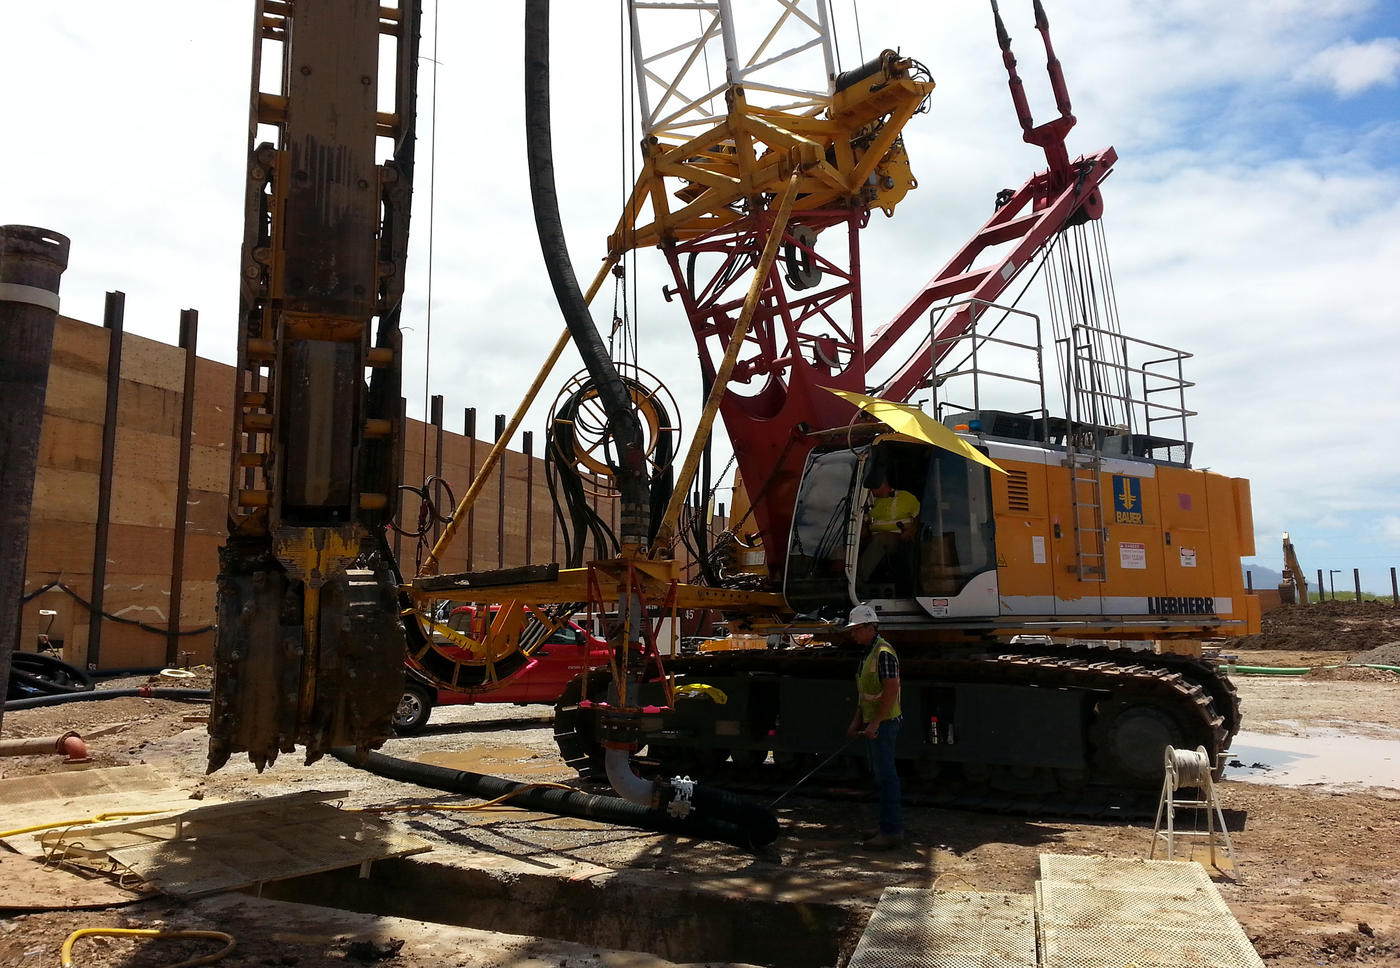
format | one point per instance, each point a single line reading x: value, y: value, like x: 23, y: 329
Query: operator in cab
x: 877, y: 718
x: 890, y: 520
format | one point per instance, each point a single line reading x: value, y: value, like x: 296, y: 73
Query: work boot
x: 883, y: 842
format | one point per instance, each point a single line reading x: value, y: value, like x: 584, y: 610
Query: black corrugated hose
x: 144, y: 692
x: 715, y: 814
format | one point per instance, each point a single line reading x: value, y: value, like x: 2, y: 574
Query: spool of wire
x: 1188, y: 768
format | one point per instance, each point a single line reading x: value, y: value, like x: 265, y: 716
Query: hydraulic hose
x: 703, y: 814
x: 630, y: 467
x: 180, y: 695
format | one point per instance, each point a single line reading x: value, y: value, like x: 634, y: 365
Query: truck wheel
x: 415, y: 707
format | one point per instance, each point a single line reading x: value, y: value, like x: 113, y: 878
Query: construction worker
x: 891, y: 519
x: 877, y: 718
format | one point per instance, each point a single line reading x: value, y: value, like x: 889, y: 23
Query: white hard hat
x: 862, y: 615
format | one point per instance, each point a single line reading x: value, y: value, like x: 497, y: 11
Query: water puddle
x: 1331, y: 759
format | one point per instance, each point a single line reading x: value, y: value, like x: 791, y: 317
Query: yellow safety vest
x: 868, y: 685
x: 887, y: 512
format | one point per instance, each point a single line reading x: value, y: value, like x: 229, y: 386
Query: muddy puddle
x: 1334, y: 760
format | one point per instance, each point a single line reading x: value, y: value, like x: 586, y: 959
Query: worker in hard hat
x: 890, y: 520
x: 877, y: 718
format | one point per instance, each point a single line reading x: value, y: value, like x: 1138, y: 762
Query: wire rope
x: 860, y: 41
x: 432, y: 208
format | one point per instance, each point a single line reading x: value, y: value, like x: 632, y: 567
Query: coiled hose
x: 712, y: 814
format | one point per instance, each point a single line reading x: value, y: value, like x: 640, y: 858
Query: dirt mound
x: 1327, y: 626
x: 1354, y: 674
x: 1388, y: 654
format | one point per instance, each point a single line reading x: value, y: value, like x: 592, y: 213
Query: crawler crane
x: 1086, y: 524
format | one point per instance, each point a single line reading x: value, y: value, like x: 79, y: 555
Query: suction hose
x: 630, y: 464
x: 685, y: 808
x: 144, y: 692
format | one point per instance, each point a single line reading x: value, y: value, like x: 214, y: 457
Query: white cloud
x: 1349, y: 68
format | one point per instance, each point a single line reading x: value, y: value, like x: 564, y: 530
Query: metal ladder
x: 1086, y: 497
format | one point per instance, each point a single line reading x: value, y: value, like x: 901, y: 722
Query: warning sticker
x: 1188, y: 557
x: 1132, y: 555
x: 1038, y: 549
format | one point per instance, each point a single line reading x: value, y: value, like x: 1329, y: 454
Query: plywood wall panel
x: 209, y: 467
x: 58, y: 548
x: 73, y: 445
x: 80, y: 346
x: 142, y: 500
x: 151, y: 456
x: 152, y: 363
x: 202, y: 557
x: 207, y: 513
x: 75, y: 394
x: 62, y: 495
x: 153, y: 409
x: 213, y: 403
x: 139, y: 547
x: 198, y: 603
x: 129, y: 647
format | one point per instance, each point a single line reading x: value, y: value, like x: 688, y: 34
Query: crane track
x: 1132, y: 690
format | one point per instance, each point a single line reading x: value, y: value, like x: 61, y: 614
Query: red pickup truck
x: 542, y: 679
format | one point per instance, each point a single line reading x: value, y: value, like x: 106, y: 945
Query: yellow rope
x: 67, y: 952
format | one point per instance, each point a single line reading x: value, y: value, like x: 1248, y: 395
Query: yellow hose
x: 67, y: 952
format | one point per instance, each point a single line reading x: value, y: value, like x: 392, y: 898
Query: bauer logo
x: 1127, y: 500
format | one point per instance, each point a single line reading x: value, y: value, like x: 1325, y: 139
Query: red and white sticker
x: 1132, y: 555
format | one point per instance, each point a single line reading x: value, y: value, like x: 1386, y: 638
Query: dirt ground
x: 1320, y: 866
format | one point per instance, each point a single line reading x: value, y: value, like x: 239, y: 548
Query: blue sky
x: 1253, y: 215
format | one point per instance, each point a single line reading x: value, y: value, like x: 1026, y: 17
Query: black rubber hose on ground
x: 34, y: 673
x: 180, y: 695
x: 724, y: 817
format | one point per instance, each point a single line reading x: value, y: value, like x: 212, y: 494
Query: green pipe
x: 1299, y: 670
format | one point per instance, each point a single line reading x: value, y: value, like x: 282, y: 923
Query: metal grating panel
x: 913, y: 928
x: 1099, y: 912
x: 1088, y: 905
x: 1114, y: 947
x: 1124, y: 873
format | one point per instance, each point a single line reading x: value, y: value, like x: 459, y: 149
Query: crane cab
x: 941, y: 562
x: 1122, y: 546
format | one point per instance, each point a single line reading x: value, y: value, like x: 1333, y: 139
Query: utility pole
x: 31, y: 262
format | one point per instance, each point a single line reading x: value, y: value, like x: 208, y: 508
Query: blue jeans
x: 880, y: 752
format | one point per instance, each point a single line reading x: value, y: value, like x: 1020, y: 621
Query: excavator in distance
x: 1041, y: 526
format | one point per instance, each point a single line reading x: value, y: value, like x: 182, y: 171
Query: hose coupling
x: 682, y: 796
